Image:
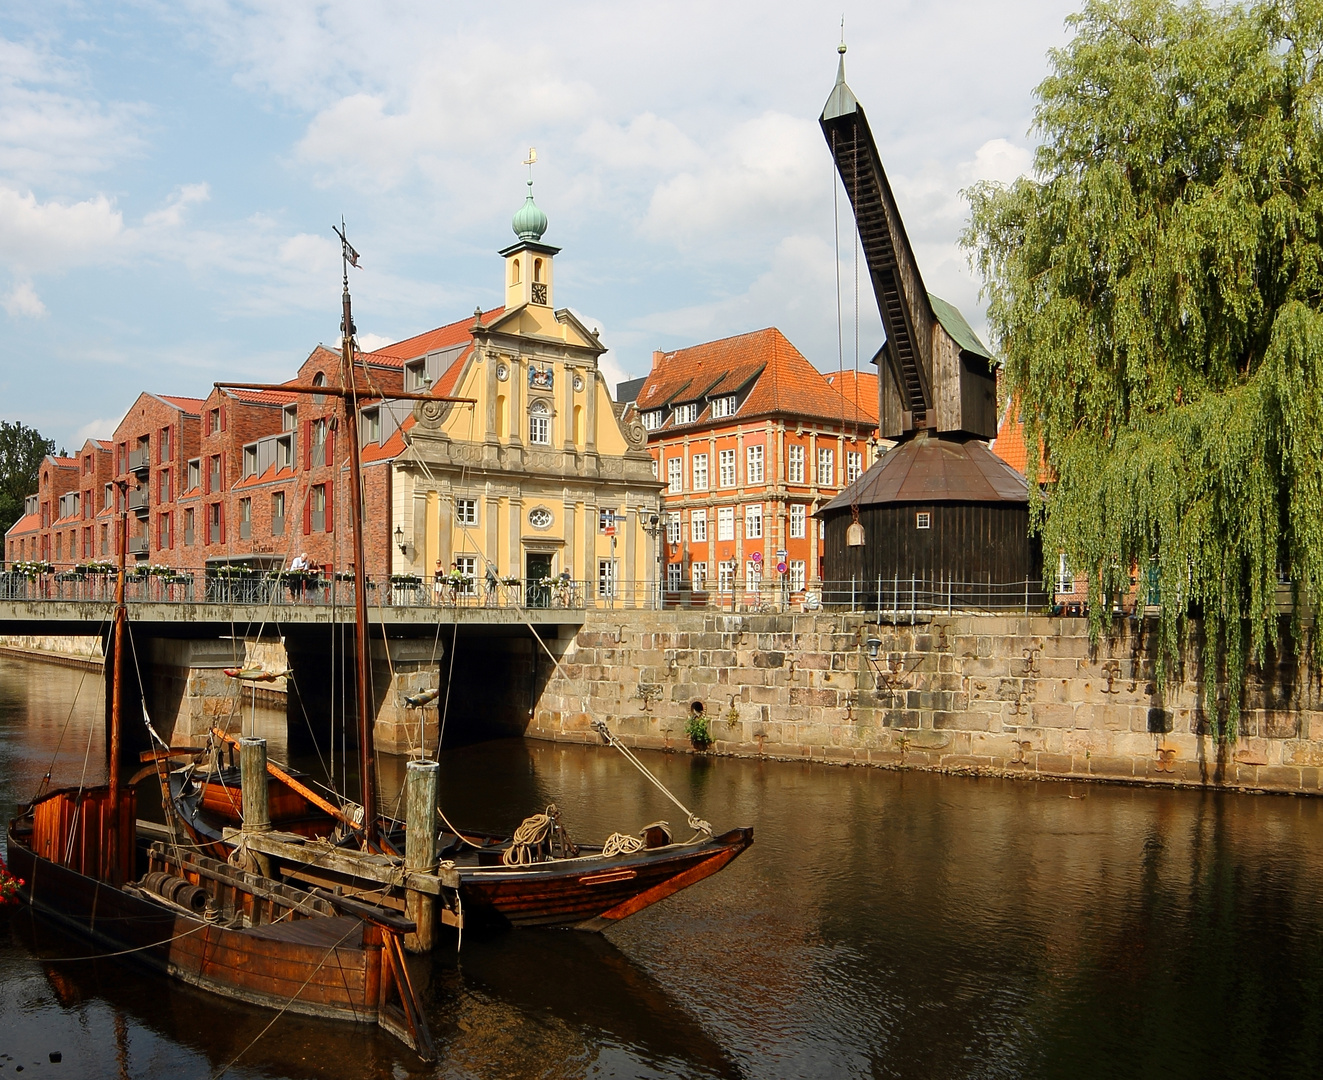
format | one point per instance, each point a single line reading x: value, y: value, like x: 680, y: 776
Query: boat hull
x: 325, y: 964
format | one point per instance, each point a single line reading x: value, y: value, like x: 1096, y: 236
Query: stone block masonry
x: 997, y: 695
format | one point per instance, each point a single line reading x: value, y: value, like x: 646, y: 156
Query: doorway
x: 537, y: 569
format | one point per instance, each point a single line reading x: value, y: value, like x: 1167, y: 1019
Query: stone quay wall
x: 999, y: 695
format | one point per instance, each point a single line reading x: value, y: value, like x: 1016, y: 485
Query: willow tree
x: 1155, y: 291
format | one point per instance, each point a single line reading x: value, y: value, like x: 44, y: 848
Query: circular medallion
x: 502, y: 372
x: 578, y: 382
x: 540, y: 517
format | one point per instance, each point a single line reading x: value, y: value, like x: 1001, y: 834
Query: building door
x: 537, y: 569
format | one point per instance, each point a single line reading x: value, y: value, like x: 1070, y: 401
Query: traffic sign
x: 781, y: 554
x: 757, y: 556
x: 610, y: 530
x: 780, y: 568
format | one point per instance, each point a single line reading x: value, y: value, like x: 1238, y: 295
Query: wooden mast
x: 349, y: 383
x: 117, y: 689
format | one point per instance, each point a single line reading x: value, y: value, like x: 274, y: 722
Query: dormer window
x: 370, y: 431
x: 289, y: 418
x: 723, y: 406
x: 415, y: 376
x: 686, y: 414
x: 652, y: 419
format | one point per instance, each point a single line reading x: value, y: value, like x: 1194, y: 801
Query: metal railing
x: 139, y: 458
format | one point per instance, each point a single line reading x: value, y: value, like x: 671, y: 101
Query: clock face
x: 578, y: 382
x: 502, y: 372
x: 539, y: 517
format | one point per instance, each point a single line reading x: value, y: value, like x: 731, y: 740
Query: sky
x: 170, y: 172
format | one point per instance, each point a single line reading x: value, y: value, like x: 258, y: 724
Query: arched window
x: 319, y: 380
x: 539, y: 423
x: 514, y: 272
x: 537, y: 270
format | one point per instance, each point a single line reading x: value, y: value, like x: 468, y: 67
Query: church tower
x: 528, y: 262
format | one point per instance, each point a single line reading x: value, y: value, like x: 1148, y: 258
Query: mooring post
x: 255, y: 801
x: 421, y: 786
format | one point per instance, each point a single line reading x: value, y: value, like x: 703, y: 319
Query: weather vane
x: 530, y: 161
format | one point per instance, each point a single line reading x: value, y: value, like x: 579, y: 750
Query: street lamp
x: 652, y: 523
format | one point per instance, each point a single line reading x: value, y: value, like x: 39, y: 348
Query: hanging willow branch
x: 1156, y: 294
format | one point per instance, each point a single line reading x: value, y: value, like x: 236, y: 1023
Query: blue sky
x: 169, y: 173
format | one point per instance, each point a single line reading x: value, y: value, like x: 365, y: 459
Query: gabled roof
x: 189, y: 405
x: 954, y: 324
x: 863, y: 391
x: 62, y: 462
x: 443, y: 337
x: 774, y: 375
x: 26, y: 524
x: 261, y: 397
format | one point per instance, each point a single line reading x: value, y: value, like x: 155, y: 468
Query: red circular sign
x: 780, y: 568
x: 757, y: 556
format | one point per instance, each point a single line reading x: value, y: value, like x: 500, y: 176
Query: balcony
x: 137, y: 545
x: 245, y: 530
x: 138, y: 499
x: 278, y: 526
x: 215, y: 534
x: 139, y: 459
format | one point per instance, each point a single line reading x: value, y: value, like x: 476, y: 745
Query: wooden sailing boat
x: 238, y: 934
x: 524, y: 880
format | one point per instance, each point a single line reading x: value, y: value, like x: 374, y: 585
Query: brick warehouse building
x: 538, y: 479
x: 749, y: 439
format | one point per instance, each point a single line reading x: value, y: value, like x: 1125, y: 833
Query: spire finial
x: 530, y: 161
x: 841, y: 47
x: 530, y: 222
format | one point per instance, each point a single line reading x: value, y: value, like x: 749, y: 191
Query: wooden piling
x: 421, y: 784
x: 255, y: 801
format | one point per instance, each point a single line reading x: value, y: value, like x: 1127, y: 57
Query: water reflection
x: 884, y: 924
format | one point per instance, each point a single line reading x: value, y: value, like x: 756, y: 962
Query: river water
x: 884, y: 924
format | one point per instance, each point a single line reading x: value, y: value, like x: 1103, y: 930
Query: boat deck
x: 326, y: 931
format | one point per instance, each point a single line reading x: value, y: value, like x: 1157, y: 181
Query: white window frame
x: 753, y: 465
x: 723, y: 406
x: 726, y: 468
x: 726, y: 575
x: 675, y: 475
x: 753, y: 521
x: 798, y: 521
x: 753, y: 575
x: 685, y: 414
x: 674, y: 575
x: 698, y: 576
x: 652, y: 419
x: 698, y: 468
x: 923, y: 519
x: 698, y: 526
x: 539, y: 423
x: 1065, y: 579
x: 674, y: 531
x: 854, y: 465
x: 608, y: 578
x: 798, y: 575
x: 606, y: 517
x: 795, y: 464
x: 826, y: 466
x: 468, y: 566
x: 725, y: 523
x: 466, y: 511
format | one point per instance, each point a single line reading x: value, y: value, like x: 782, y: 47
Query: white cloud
x: 95, y: 429
x: 373, y: 342
x: 22, y: 301
x: 171, y: 215
x: 52, y: 235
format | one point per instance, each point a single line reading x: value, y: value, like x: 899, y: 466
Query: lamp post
x: 652, y: 523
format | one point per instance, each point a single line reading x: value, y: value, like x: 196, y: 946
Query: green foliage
x: 697, y: 730
x: 21, y: 451
x: 1156, y: 294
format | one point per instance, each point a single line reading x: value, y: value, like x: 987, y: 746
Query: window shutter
x: 307, y: 513
x: 222, y: 522
x: 330, y: 506
x: 330, y: 455
x: 307, y: 446
x: 223, y: 411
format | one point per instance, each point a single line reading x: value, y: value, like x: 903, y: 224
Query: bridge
x: 187, y: 630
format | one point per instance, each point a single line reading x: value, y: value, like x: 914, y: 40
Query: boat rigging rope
x: 533, y: 834
x: 619, y: 843
x: 122, y: 952
x: 695, y: 822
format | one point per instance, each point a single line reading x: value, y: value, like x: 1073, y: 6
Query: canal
x: 884, y: 924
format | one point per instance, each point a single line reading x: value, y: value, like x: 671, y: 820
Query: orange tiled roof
x: 442, y: 337
x: 273, y: 474
x: 390, y: 449
x: 262, y: 397
x: 64, y: 462
x: 191, y: 405
x: 27, y: 523
x: 1009, y: 444
x: 783, y: 381
x: 864, y: 391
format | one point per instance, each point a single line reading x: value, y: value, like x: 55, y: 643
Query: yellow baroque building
x: 531, y: 481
